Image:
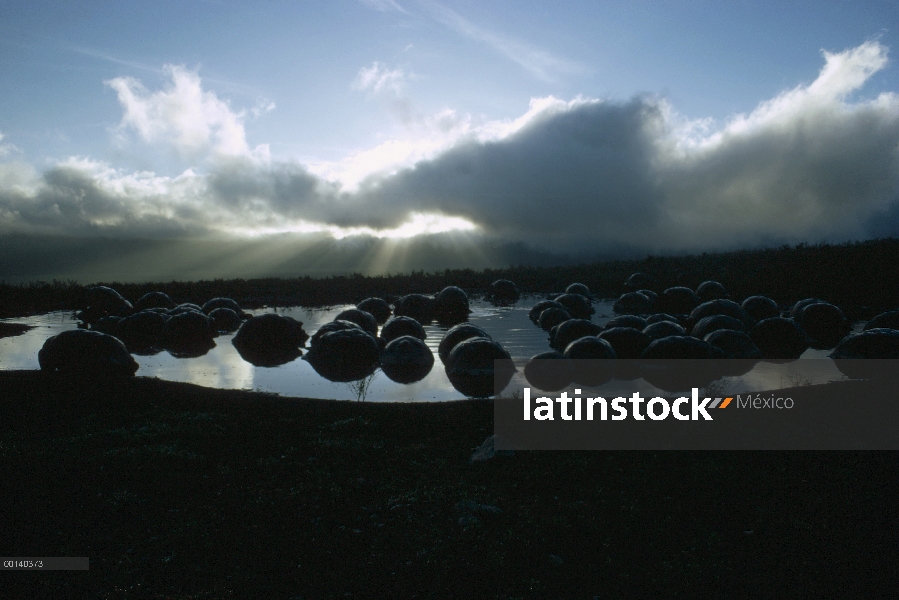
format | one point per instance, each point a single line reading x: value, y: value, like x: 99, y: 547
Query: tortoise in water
x: 779, y: 338
x: 215, y: 303
x: 377, y: 308
x: 332, y: 326
x: 537, y: 309
x: 661, y: 329
x: 86, y: 355
x: 457, y: 334
x: 570, y: 330
x: 577, y: 306
x: 551, y: 317
x: 225, y: 319
x: 824, y: 323
x: 503, y: 291
x: 102, y: 301
x: 451, y: 305
x: 722, y: 306
x: 591, y: 359
x: 626, y: 341
x: 548, y: 371
x: 418, y: 306
x: 633, y: 303
x: 760, y: 307
x: 712, y: 323
x: 365, y: 320
x: 406, y: 359
x: 186, y: 307
x: 663, y: 366
x: 872, y: 344
x: 154, y: 300
x: 142, y: 332
x: 270, y: 340
x: 578, y: 288
x: 400, y: 326
x: 735, y: 344
x: 878, y: 347
x: 885, y: 320
x: 470, y: 367
x: 710, y: 290
x: 189, y: 334
x: 802, y: 304
x: 344, y: 355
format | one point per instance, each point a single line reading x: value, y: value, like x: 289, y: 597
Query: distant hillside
x: 861, y: 277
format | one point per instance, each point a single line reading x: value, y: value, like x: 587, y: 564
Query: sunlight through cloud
x: 418, y: 224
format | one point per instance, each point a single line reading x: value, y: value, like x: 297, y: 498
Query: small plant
x: 359, y: 388
x: 512, y: 395
x: 795, y: 380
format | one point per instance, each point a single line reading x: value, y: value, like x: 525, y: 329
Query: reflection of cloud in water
x: 773, y: 376
x: 20, y: 352
x: 222, y: 367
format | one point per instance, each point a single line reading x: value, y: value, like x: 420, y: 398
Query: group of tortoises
x: 349, y: 348
x: 677, y: 322
x: 681, y: 323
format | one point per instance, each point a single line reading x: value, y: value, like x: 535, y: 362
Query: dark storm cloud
x: 243, y: 186
x: 585, y: 173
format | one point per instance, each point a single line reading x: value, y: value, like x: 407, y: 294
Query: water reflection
x: 762, y: 376
x: 223, y: 367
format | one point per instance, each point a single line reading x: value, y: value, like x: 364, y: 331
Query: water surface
x: 223, y: 367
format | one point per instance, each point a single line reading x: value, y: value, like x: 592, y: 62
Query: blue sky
x: 393, y: 117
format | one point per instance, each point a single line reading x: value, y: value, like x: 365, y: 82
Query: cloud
x: 379, y: 78
x: 6, y: 149
x: 805, y: 165
x: 384, y: 5
x: 84, y: 197
x: 541, y: 64
x: 196, y: 122
x: 426, y: 137
x: 583, y: 176
x: 262, y: 107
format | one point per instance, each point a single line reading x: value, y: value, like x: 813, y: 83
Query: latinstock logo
x: 657, y: 408
x: 685, y: 404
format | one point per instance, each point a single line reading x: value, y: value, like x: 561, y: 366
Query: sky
x: 398, y: 134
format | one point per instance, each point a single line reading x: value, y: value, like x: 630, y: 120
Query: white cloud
x: 6, y: 149
x: 262, y: 107
x: 193, y: 120
x: 426, y: 137
x: 379, y: 78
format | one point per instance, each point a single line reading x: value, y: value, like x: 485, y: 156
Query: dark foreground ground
x: 176, y: 491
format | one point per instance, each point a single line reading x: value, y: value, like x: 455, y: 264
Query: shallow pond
x: 223, y: 367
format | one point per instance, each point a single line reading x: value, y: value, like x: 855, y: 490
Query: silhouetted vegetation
x: 859, y: 276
